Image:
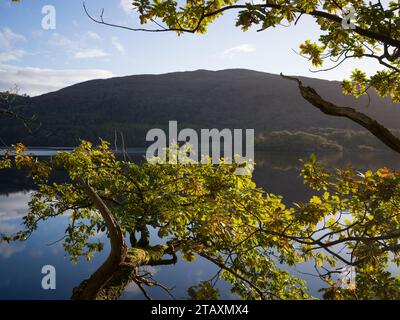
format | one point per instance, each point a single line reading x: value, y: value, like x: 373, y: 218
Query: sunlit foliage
x: 207, y: 211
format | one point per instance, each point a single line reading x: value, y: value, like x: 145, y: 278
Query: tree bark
x: 90, y: 288
x: 126, y: 272
x: 120, y: 268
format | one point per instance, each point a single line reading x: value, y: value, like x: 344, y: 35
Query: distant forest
x: 130, y: 106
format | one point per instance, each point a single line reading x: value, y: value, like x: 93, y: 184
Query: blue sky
x: 39, y: 61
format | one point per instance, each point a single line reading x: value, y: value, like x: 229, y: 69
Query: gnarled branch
x: 373, y: 126
x: 90, y: 288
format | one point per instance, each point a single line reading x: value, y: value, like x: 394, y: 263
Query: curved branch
x: 25, y: 121
x: 90, y: 288
x: 384, y: 38
x: 101, y: 21
x: 236, y: 274
x: 374, y: 127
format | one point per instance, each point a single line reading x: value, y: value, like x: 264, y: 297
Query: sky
x: 39, y: 60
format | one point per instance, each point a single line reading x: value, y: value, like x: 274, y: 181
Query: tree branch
x: 90, y: 288
x: 374, y: 127
x: 382, y: 37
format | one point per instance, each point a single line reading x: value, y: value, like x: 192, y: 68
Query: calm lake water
x: 21, y: 263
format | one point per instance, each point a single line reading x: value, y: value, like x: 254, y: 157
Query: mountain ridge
x: 230, y: 98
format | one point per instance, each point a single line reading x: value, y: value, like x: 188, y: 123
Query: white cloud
x: 8, y: 38
x: 94, y: 35
x: 132, y: 289
x: 126, y: 5
x: 37, y: 33
x: 234, y: 51
x: 91, y: 53
x: 12, y: 55
x: 59, y: 40
x: 118, y: 45
x: 77, y: 47
x: 12, y: 208
x: 7, y: 250
x: 36, y: 81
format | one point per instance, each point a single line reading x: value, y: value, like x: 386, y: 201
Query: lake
x: 21, y: 262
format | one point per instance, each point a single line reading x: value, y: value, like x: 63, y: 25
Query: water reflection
x: 21, y: 263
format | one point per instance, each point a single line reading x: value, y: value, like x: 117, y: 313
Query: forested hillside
x: 200, y: 99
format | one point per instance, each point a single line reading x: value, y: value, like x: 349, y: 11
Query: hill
x: 234, y: 98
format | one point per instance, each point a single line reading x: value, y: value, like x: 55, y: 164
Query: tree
x: 351, y: 226
x: 9, y: 101
x: 375, y: 34
x: 208, y: 211
x: 197, y: 209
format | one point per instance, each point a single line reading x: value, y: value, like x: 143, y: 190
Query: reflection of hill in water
x: 279, y: 172
x: 13, y: 181
x: 276, y: 172
x: 282, y: 161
